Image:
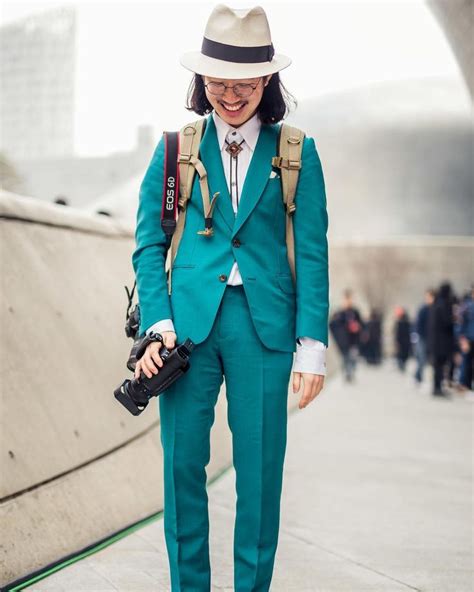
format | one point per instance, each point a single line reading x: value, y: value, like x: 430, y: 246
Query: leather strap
x: 288, y: 160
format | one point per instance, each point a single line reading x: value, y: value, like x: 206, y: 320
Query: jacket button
x: 236, y: 242
x: 223, y: 277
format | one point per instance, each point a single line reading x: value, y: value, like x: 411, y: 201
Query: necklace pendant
x: 234, y: 148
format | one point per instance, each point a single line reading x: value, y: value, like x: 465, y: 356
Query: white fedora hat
x: 236, y: 44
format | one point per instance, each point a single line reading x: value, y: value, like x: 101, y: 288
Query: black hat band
x: 233, y: 53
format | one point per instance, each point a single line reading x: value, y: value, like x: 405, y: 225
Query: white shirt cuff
x: 310, y: 356
x: 158, y: 327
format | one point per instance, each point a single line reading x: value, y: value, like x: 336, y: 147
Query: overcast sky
x: 128, y: 71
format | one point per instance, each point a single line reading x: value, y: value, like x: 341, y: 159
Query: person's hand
x: 313, y: 384
x: 151, y: 358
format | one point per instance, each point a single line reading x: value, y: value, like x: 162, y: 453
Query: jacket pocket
x: 285, y: 282
x: 178, y: 265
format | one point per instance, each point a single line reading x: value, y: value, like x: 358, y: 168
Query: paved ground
x: 377, y: 498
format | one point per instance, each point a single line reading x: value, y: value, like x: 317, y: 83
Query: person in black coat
x: 372, y: 338
x: 402, y: 338
x: 346, y: 325
x: 440, y: 341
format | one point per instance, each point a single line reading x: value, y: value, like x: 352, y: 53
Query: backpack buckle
x: 294, y: 164
x: 280, y: 162
x: 191, y: 132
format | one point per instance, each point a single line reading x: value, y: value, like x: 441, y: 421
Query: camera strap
x: 170, y: 183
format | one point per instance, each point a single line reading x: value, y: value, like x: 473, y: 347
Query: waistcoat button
x: 223, y: 277
x: 236, y: 242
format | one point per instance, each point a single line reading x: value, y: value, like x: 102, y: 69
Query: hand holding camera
x: 151, y: 361
x: 156, y: 360
x: 164, y: 363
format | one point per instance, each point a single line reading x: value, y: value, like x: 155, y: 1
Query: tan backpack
x: 288, y: 161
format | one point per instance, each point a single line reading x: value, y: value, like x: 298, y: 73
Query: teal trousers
x: 257, y: 381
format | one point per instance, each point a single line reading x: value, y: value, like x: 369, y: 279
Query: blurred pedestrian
x: 402, y: 332
x: 421, y: 334
x: 441, y: 335
x: 371, y: 338
x: 466, y: 341
x: 346, y: 326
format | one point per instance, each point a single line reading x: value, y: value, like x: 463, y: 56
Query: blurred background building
x: 37, y: 76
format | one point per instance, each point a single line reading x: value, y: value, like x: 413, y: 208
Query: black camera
x: 135, y: 394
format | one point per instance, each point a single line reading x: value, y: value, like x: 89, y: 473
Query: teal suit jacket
x: 281, y: 311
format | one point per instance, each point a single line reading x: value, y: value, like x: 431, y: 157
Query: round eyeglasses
x: 241, y: 89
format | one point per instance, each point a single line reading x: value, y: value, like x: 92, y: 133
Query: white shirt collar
x: 249, y: 130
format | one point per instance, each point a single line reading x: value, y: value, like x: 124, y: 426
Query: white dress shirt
x: 310, y: 353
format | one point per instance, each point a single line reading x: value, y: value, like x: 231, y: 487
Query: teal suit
x: 246, y: 334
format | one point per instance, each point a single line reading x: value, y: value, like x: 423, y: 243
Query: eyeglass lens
x: 241, y: 90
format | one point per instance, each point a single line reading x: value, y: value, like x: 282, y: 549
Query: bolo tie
x: 234, y: 148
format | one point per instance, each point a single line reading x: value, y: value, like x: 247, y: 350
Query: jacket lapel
x: 257, y: 176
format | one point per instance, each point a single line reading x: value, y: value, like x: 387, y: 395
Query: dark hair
x: 273, y: 107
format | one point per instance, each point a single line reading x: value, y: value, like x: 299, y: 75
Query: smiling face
x: 233, y: 109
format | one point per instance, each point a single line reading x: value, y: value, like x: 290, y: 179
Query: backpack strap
x: 288, y: 160
x: 190, y: 138
x: 188, y: 163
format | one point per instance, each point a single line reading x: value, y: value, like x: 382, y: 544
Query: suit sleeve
x: 149, y: 256
x: 310, y: 221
